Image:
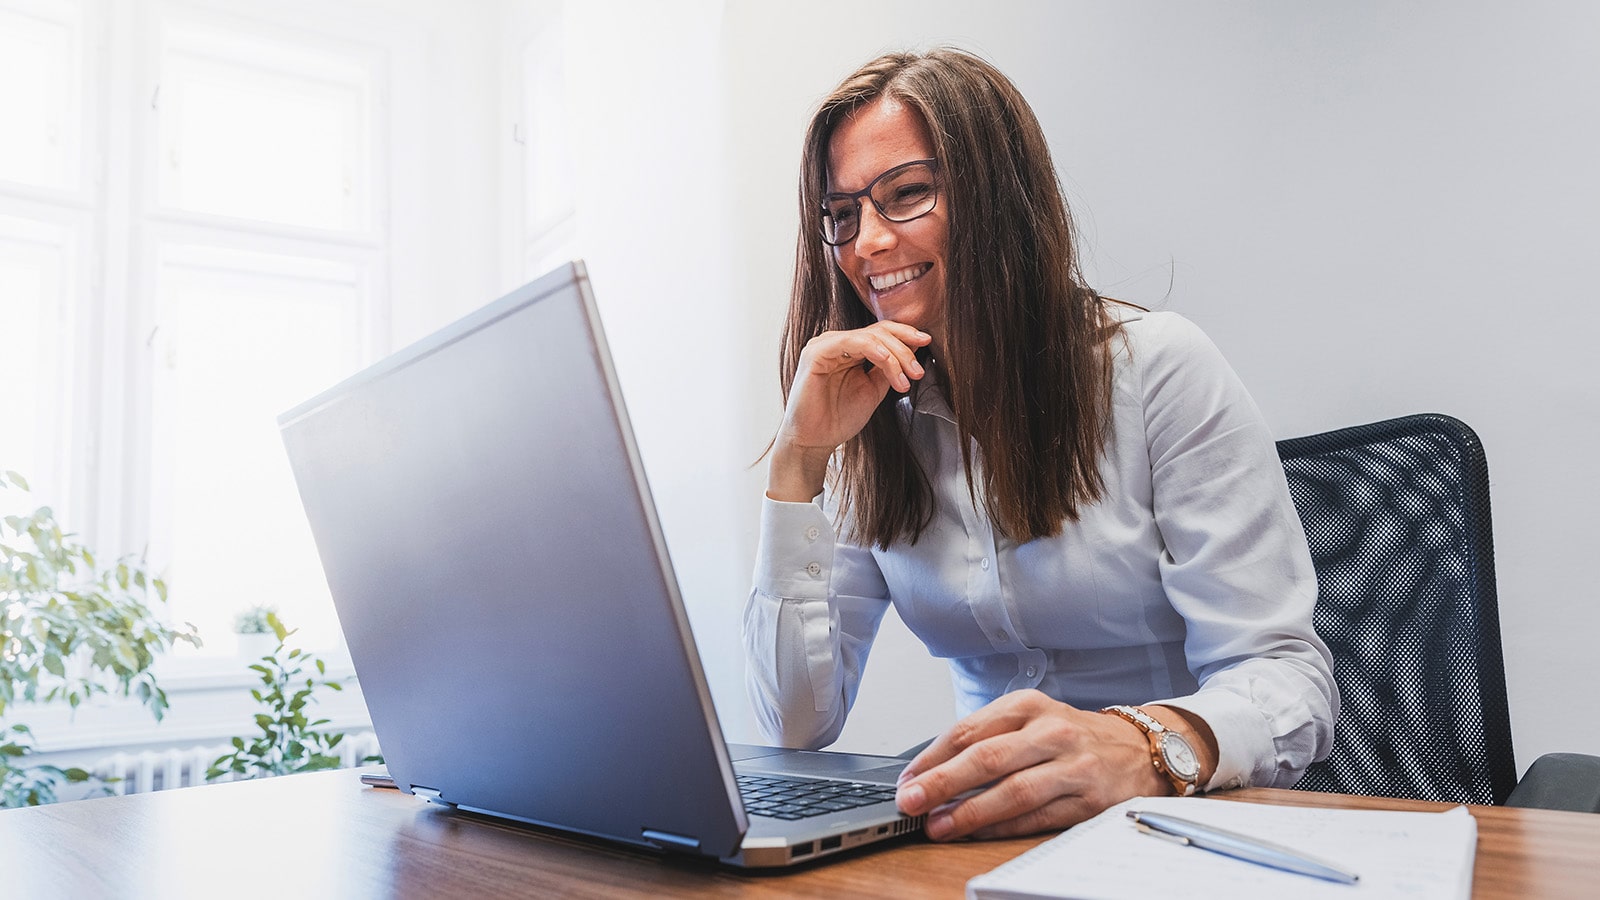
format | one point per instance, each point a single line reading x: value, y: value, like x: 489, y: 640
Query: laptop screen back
x: 493, y: 553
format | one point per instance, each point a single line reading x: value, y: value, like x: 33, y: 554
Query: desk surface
x: 325, y: 835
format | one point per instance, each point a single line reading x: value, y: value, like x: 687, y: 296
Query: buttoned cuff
x: 1244, y: 741
x: 794, y: 557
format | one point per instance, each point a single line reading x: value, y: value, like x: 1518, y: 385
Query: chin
x: 916, y: 315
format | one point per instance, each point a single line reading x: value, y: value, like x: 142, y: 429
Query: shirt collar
x: 927, y: 397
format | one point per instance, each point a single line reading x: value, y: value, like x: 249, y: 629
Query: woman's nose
x: 874, y: 232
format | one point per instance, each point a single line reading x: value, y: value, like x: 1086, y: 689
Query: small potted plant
x: 256, y: 638
x: 290, y: 740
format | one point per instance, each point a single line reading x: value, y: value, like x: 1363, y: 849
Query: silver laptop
x: 503, y: 584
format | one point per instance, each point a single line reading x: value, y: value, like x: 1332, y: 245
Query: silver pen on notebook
x: 1238, y: 846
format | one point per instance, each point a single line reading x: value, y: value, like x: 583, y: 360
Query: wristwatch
x: 1170, y: 753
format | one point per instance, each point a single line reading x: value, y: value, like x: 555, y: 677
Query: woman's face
x: 897, y: 268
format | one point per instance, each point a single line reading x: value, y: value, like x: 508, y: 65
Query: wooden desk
x: 324, y: 835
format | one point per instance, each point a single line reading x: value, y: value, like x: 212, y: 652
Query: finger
x: 986, y: 766
x: 1008, y: 713
x: 1009, y: 798
x: 884, y: 357
x: 1058, y: 814
x: 902, y: 341
x: 851, y: 349
x: 907, y: 334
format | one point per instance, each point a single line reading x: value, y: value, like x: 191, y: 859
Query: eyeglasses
x: 901, y: 194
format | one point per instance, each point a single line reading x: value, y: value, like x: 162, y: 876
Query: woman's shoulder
x: 1152, y: 337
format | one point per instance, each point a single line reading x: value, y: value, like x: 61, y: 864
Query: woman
x: 1072, y: 500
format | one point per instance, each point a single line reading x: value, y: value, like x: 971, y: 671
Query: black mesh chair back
x: 1397, y: 515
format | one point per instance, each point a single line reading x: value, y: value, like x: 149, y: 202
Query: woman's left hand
x: 1033, y: 763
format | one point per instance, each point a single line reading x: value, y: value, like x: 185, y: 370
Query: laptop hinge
x: 430, y: 794
x: 669, y: 841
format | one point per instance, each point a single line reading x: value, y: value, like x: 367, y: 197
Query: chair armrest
x: 1569, y: 781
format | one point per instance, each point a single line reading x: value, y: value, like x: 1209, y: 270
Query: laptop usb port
x: 831, y: 843
x: 799, y: 850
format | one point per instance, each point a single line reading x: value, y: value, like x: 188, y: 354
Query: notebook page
x: 1410, y: 855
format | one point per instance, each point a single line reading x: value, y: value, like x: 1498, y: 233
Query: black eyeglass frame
x: 855, y: 198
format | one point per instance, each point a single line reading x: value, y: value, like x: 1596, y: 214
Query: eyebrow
x: 827, y: 193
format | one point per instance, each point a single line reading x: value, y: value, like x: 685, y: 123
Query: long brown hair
x: 1026, y: 341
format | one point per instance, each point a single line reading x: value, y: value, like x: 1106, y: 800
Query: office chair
x: 1397, y: 517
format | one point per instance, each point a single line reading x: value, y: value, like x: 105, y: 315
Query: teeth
x: 884, y: 282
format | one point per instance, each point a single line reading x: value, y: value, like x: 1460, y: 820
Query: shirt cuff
x: 794, y: 557
x: 1244, y: 742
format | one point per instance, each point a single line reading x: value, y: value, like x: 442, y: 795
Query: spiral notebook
x: 1414, y: 855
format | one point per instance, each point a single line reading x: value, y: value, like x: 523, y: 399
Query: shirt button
x: 813, y: 569
x: 812, y: 532
x: 1001, y: 636
x: 984, y: 563
x: 1032, y: 671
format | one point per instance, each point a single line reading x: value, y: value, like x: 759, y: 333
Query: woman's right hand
x: 834, y: 395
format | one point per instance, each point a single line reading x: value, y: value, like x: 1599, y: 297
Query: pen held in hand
x: 1238, y: 846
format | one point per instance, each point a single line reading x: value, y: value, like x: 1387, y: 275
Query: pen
x: 1238, y: 846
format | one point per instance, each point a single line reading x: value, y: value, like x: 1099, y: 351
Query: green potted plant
x: 70, y: 628
x: 254, y: 630
x: 289, y: 739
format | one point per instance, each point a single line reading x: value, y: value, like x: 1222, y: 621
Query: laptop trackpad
x: 875, y: 769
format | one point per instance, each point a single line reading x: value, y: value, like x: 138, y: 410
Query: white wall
x: 650, y: 145
x: 1373, y: 208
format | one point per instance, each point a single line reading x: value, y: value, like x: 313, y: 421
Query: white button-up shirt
x: 1189, y: 584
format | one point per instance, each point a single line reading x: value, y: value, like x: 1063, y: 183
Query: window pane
x: 254, y: 142
x: 241, y: 347
x: 32, y: 387
x: 39, y: 99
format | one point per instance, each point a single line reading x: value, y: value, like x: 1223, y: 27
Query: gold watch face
x: 1180, y: 757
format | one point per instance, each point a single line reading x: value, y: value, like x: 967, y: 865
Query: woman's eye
x: 910, y: 193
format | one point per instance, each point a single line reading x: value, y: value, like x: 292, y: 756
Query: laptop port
x: 799, y: 850
x: 831, y: 843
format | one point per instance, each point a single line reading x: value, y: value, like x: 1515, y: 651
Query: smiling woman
x: 1073, y: 500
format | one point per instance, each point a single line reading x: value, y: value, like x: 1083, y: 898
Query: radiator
x: 158, y: 770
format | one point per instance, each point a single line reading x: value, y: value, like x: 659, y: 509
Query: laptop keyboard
x: 801, y: 798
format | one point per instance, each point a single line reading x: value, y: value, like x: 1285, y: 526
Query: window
x: 35, y: 305
x: 243, y: 338
x: 191, y: 242
x: 262, y: 132
x: 41, y: 92
x: 265, y: 253
x: 43, y: 219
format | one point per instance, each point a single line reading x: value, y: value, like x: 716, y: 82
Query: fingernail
x: 905, y: 776
x: 910, y: 798
x: 939, y: 826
